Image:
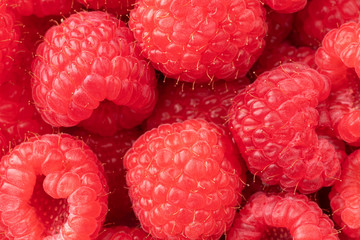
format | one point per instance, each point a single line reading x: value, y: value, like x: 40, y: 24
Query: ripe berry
x: 184, y: 180
x: 117, y: 7
x: 52, y: 187
x: 91, y: 57
x: 123, y: 233
x: 282, y: 217
x: 273, y: 122
x: 286, y: 6
x: 200, y: 41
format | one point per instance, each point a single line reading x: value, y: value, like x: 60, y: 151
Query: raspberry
x: 42, y: 8
x: 279, y: 27
x: 286, y: 6
x: 184, y: 180
x: 283, y: 217
x: 110, y: 151
x: 338, y: 53
x: 52, y: 187
x: 10, y: 52
x: 283, y: 53
x: 123, y: 233
x: 188, y: 101
x: 273, y: 122
x: 344, y: 197
x: 200, y: 41
x: 339, y: 115
x: 117, y: 7
x: 321, y: 16
x: 91, y: 57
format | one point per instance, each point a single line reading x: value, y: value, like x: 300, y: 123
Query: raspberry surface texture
x: 110, y: 151
x: 319, y: 17
x: 339, y: 53
x: 344, y: 197
x: 123, y: 233
x: 286, y: 6
x: 184, y: 180
x: 183, y: 101
x: 273, y: 122
x: 52, y: 187
x: 91, y: 57
x: 285, y: 217
x: 41, y: 8
x: 200, y: 41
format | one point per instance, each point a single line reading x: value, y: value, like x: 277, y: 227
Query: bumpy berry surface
x: 123, y: 233
x: 279, y: 27
x: 341, y: 111
x: 179, y: 102
x: 113, y: 6
x: 10, y: 50
x: 200, y: 41
x: 286, y: 6
x: 344, y: 197
x: 110, y: 151
x: 321, y: 16
x: 283, y: 53
x: 91, y: 57
x: 284, y: 217
x: 273, y: 122
x: 52, y: 187
x: 41, y: 8
x: 184, y: 180
x: 339, y: 52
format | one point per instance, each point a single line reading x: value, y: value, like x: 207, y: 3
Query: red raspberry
x: 123, y: 233
x: 283, y: 53
x: 283, y: 217
x: 52, y: 187
x: 286, y: 6
x: 340, y: 112
x: 117, y: 7
x: 279, y: 27
x: 200, y: 41
x: 344, y: 197
x: 184, y: 180
x: 273, y: 122
x: 42, y: 8
x: 339, y: 52
x: 10, y: 52
x: 110, y: 151
x: 319, y: 17
x: 88, y: 58
x: 179, y: 102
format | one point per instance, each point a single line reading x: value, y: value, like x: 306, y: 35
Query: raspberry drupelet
x: 339, y: 53
x: 200, y: 41
x: 124, y: 233
x: 184, y: 180
x: 281, y: 216
x: 345, y: 196
x: 52, y: 187
x: 286, y: 6
x: 273, y: 122
x: 117, y: 7
x: 90, y: 58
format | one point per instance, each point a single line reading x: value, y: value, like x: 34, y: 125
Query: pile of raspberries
x: 179, y: 119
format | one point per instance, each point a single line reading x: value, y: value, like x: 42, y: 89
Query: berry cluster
x: 179, y: 119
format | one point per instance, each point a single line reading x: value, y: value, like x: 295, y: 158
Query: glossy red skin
x: 52, y: 186
x: 286, y: 6
x: 80, y: 65
x: 338, y: 53
x: 293, y: 216
x: 273, y: 122
x: 321, y: 16
x: 117, y: 7
x: 175, y: 175
x: 200, y: 41
x: 344, y: 197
